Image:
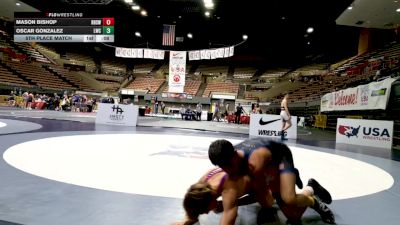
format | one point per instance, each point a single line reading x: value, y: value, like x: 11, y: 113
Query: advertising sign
x: 265, y: 125
x: 375, y: 133
x: 177, y: 71
x: 122, y: 115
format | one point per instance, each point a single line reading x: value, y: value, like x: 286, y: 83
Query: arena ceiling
x: 276, y: 28
x: 382, y: 14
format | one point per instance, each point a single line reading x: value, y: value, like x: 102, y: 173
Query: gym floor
x: 61, y: 168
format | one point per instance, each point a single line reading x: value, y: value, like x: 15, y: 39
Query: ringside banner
x: 121, y: 115
x: 265, y: 125
x: 374, y: 133
x: 374, y: 95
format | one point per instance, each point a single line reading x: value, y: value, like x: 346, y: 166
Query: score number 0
x: 108, y: 21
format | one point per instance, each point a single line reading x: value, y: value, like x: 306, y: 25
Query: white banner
x: 197, y: 55
x: 121, y: 115
x: 160, y: 54
x: 191, y: 56
x: 220, y: 52
x: 226, y: 52
x: 139, y: 53
x: 231, y: 50
x: 266, y: 125
x: 203, y: 54
x: 177, y: 71
x: 208, y: 54
x: 214, y: 53
x: 148, y: 53
x: 374, y: 95
x: 124, y: 52
x: 373, y: 133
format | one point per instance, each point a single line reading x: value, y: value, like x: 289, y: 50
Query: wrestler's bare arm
x: 234, y: 188
x: 229, y: 202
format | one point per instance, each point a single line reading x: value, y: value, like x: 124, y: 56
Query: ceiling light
x: 350, y: 7
x: 128, y: 1
x: 135, y: 7
x: 143, y: 12
x: 245, y: 37
x: 137, y: 34
x: 207, y: 13
x: 310, y: 30
x: 18, y: 4
x: 190, y: 35
x: 398, y: 10
x: 209, y: 5
x: 308, y: 43
x: 180, y: 17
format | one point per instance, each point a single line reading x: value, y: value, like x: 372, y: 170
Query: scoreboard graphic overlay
x: 62, y: 27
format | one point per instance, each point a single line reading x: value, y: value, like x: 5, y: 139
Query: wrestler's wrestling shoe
x: 299, y: 183
x: 323, y: 210
x: 266, y: 215
x: 283, y: 138
x: 320, y: 191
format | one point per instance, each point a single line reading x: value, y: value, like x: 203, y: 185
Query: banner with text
x: 374, y: 95
x: 177, y: 71
x: 265, y: 125
x: 211, y: 53
x: 139, y: 53
x: 374, y: 133
x: 121, y: 115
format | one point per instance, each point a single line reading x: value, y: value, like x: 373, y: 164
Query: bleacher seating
x: 109, y: 78
x: 212, y: 70
x: 356, y: 71
x: 390, y: 54
x: 221, y: 87
x: 113, y: 82
x: 191, y: 87
x: 143, y: 68
x: 29, y: 50
x: 83, y: 59
x: 8, y: 78
x: 71, y: 76
x: 244, y: 72
x: 273, y: 74
x: 113, y: 67
x: 39, y: 75
x: 146, y: 83
x: 22, y: 47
